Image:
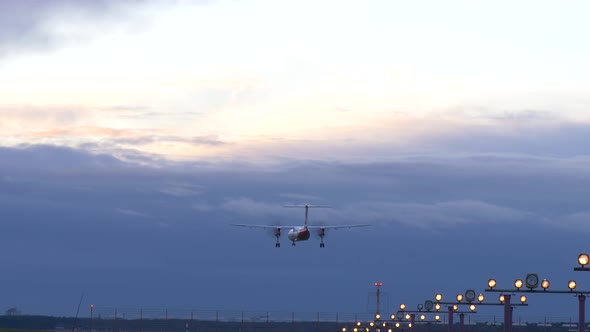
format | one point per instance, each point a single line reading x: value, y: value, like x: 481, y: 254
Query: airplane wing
x: 338, y: 226
x: 263, y: 226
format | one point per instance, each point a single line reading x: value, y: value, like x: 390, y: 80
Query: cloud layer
x: 85, y: 214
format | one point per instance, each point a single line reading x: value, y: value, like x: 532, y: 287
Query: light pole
x: 469, y: 299
x: 532, y: 283
x: 583, y: 260
x: 378, y: 284
x: 454, y: 307
x: 411, y: 315
x: 91, y: 315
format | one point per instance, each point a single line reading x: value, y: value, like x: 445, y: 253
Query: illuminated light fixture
x: 472, y: 307
x: 410, y: 325
x: 367, y: 329
x: 428, y: 305
x: 545, y: 284
x: 501, y: 298
x: 396, y: 324
x: 402, y: 307
x: 583, y: 259
x: 378, y: 284
x: 492, y: 283
x: 408, y: 316
x: 358, y: 323
x: 455, y: 307
x: 422, y: 317
x: 384, y: 324
x: 470, y: 295
x: 518, y: 283
x: 392, y: 316
x: 523, y: 299
x: 437, y: 307
x: 420, y: 307
x: 372, y: 324
x: 532, y: 281
x: 377, y: 316
x: 571, y: 285
x: 459, y: 297
x: 480, y: 298
x: 438, y: 297
x: 355, y: 329
x: 437, y: 317
x: 344, y: 329
x: 390, y: 330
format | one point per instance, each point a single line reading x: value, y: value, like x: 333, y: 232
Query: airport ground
x: 26, y: 323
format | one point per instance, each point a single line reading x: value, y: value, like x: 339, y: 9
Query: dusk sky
x: 133, y: 133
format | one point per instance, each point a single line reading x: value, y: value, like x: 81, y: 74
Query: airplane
x: 301, y: 233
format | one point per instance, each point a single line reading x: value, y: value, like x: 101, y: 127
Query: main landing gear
x: 293, y: 244
x: 322, y: 233
x: 277, y: 235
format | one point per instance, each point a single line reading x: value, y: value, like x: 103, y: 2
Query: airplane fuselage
x: 299, y: 234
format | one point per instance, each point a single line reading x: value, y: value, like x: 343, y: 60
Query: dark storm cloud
x: 150, y: 236
x: 23, y: 23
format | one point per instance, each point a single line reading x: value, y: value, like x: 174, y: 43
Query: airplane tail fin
x: 306, y: 207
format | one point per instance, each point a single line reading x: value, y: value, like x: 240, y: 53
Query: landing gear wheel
x: 277, y: 245
x: 293, y: 244
x: 322, y: 245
